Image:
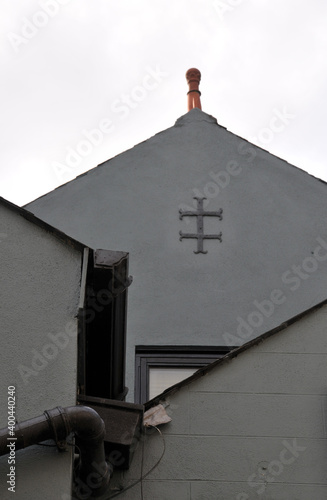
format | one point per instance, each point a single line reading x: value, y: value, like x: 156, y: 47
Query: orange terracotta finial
x: 193, y: 77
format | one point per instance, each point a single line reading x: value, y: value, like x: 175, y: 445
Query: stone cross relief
x: 200, y: 213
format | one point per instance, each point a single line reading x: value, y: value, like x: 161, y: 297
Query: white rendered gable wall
x: 270, y: 265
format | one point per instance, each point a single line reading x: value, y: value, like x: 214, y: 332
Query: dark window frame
x: 147, y: 357
x: 102, y: 326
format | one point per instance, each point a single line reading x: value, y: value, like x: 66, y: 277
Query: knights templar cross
x: 199, y: 214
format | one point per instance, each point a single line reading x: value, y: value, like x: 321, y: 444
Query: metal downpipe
x: 92, y: 475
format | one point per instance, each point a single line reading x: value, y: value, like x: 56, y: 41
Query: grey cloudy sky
x: 82, y: 81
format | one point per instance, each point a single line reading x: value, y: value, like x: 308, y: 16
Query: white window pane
x: 162, y: 378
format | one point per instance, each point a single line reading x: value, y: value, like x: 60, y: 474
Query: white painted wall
x: 40, y: 287
x: 252, y: 428
x: 274, y: 218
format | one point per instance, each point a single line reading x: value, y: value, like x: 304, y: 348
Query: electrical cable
x: 142, y: 463
x: 48, y: 445
x: 149, y: 472
x: 77, y: 460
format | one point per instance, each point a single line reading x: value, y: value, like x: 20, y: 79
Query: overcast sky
x: 83, y: 80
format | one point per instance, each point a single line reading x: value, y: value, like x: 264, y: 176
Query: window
x: 159, y: 367
x: 102, y: 326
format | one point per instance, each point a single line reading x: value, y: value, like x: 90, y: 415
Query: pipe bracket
x: 58, y: 423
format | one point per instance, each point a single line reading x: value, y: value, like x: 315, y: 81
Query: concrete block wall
x: 253, y: 428
x: 40, y: 288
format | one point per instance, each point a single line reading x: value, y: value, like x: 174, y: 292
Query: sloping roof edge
x: 231, y: 355
x: 43, y: 225
x: 181, y: 121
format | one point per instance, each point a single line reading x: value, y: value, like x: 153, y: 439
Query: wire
x: 55, y: 446
x: 48, y: 445
x: 77, y: 460
x: 142, y: 463
x: 149, y: 472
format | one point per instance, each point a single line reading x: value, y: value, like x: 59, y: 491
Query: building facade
x: 250, y: 426
x: 40, y: 294
x: 226, y: 241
